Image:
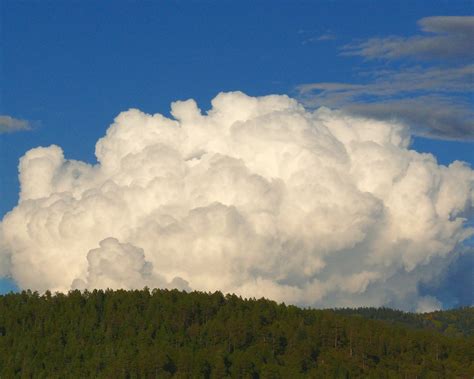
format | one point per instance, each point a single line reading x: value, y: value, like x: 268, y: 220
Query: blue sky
x: 69, y: 67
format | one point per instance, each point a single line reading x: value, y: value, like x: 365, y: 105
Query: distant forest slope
x: 161, y: 333
x: 455, y: 323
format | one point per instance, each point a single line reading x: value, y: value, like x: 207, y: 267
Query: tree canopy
x: 168, y: 333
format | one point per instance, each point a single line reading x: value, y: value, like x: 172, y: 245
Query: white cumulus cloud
x: 258, y: 196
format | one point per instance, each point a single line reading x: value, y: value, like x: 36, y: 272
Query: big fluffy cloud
x: 258, y: 197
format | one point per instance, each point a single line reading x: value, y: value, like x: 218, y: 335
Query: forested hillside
x: 161, y: 333
x: 456, y: 322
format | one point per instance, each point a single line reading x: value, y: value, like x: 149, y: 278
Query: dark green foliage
x: 456, y: 323
x: 162, y: 334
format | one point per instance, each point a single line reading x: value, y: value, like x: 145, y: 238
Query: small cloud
x: 326, y: 37
x: 312, y: 36
x: 428, y: 304
x: 446, y: 37
x: 10, y: 124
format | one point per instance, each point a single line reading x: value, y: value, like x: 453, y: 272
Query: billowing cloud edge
x: 259, y: 196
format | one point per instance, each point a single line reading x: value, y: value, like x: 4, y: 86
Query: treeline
x: 455, y: 322
x: 162, y: 333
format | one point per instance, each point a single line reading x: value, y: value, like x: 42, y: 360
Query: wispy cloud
x: 326, y: 37
x: 445, y: 37
x: 410, y: 80
x: 434, y: 100
x: 429, y: 116
x: 312, y: 36
x: 10, y: 124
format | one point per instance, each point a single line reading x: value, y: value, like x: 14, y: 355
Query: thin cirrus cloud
x: 435, y: 100
x: 326, y: 37
x: 313, y: 36
x: 10, y: 124
x: 447, y: 37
